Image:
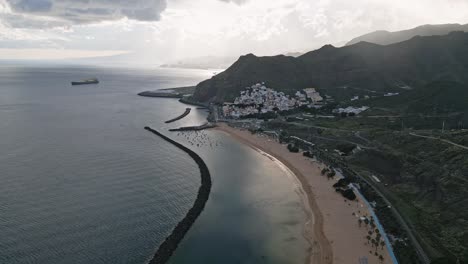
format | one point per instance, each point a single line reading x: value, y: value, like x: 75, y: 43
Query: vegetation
x: 342, y: 72
x: 426, y: 180
x: 403, y: 148
x: 293, y: 148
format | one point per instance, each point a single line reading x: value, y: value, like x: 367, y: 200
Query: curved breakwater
x: 187, y: 111
x: 168, y: 247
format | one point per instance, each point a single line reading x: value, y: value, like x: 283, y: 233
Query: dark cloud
x: 89, y: 11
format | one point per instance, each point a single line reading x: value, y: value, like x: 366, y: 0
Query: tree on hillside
x: 283, y: 136
x: 325, y: 170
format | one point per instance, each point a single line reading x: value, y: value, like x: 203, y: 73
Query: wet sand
x: 332, y: 230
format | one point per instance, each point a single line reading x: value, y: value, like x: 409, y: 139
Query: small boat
x: 89, y: 81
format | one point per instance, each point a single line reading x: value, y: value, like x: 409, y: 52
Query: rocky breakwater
x: 194, y: 128
x: 162, y: 94
x: 187, y: 111
x: 168, y: 247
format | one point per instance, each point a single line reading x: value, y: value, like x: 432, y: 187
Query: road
x: 440, y: 139
x: 408, y: 227
x: 343, y: 140
x: 409, y: 230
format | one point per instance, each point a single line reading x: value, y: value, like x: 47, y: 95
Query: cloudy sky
x: 162, y: 31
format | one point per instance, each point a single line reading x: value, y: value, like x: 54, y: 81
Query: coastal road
x: 344, y: 141
x: 407, y: 227
x: 320, y: 127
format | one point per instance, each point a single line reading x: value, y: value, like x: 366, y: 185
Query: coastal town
x: 259, y: 99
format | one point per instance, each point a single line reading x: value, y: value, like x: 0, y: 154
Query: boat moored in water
x: 89, y: 81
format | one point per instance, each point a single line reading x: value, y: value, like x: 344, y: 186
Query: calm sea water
x: 81, y: 181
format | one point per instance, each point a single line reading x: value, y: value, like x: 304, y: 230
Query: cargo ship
x: 89, y: 81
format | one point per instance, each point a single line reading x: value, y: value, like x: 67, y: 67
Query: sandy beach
x: 333, y: 229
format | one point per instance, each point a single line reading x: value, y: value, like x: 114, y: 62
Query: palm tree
x: 381, y: 258
x: 360, y: 222
x: 378, y: 236
x: 368, y: 238
x: 382, y: 244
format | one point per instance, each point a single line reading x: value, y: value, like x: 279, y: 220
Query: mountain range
x: 383, y: 37
x: 205, y: 62
x: 211, y: 62
x: 362, y: 66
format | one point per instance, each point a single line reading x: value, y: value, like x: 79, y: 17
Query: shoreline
x: 314, y: 220
x: 334, y: 235
x: 324, y: 253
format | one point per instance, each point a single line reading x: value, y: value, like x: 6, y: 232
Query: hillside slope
x: 383, y: 37
x: 365, y: 66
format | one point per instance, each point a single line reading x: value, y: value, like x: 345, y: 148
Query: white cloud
x: 239, y: 2
x: 188, y: 28
x: 52, y: 54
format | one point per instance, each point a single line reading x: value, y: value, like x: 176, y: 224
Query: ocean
x: 81, y: 181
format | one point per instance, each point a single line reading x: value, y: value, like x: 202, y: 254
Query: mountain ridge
x: 412, y: 63
x: 384, y: 37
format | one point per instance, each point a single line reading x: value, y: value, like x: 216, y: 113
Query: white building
x: 313, y: 95
x: 351, y: 109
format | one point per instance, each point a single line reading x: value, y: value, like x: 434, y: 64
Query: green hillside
x: 363, y: 66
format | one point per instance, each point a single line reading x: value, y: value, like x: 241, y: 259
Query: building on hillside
x: 313, y: 95
x: 351, y: 109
